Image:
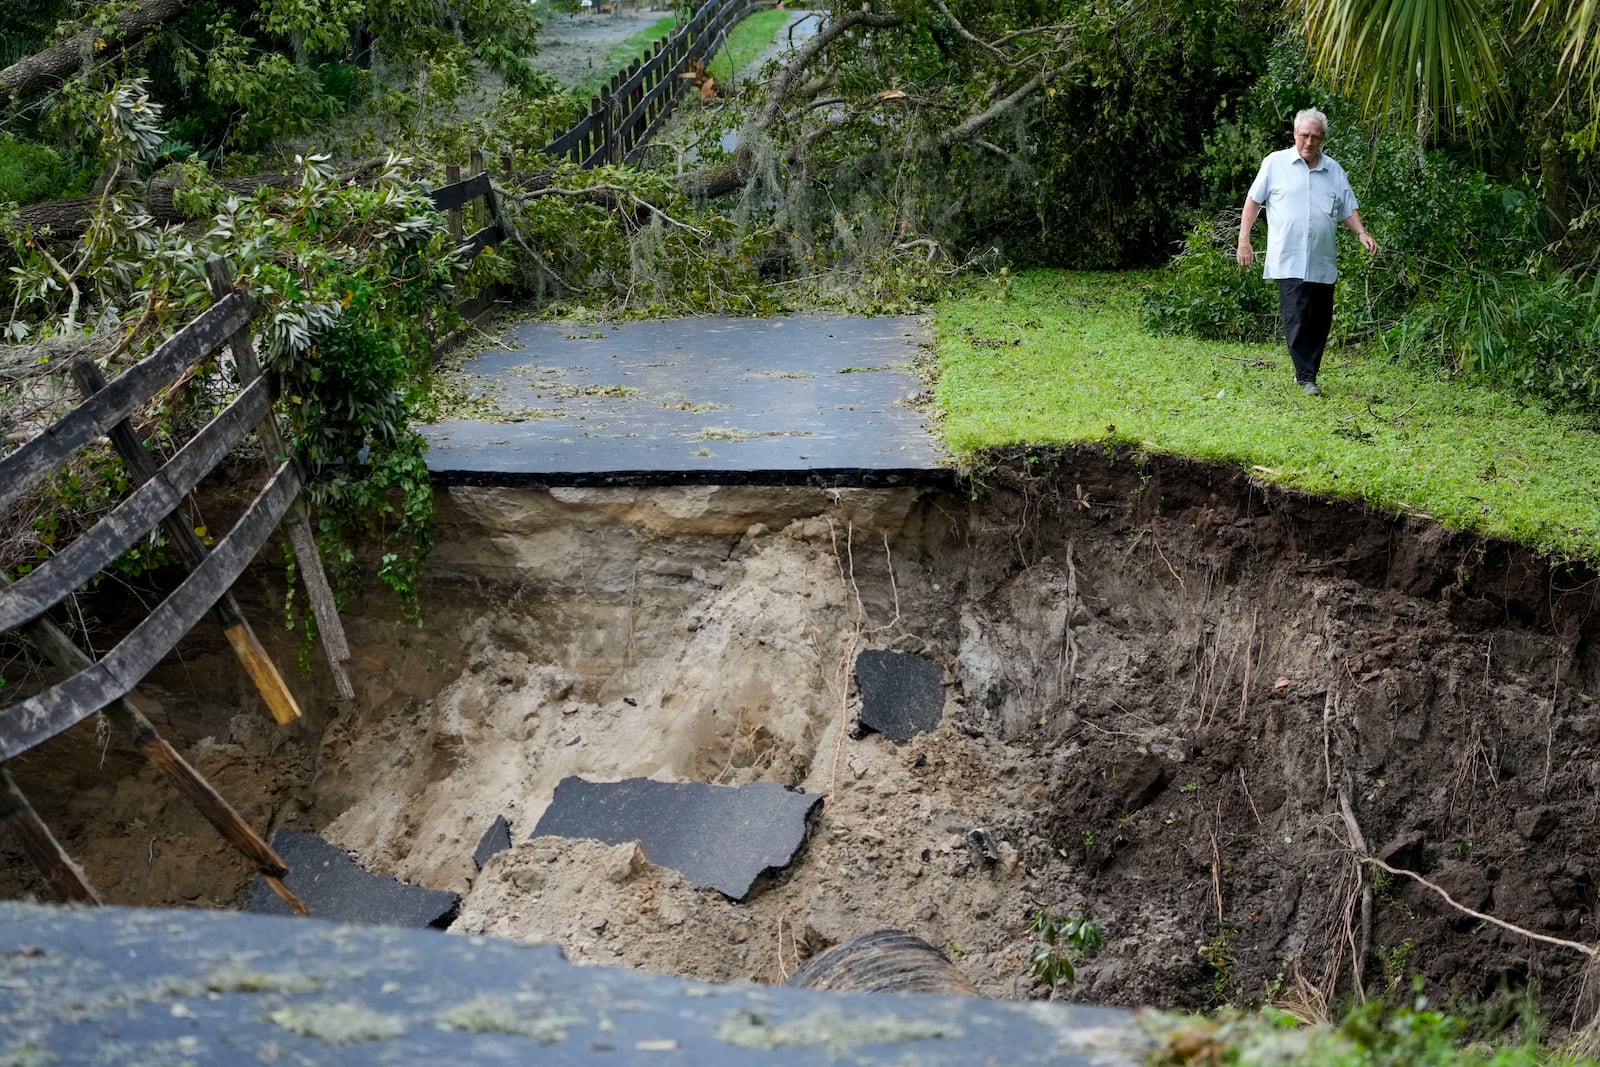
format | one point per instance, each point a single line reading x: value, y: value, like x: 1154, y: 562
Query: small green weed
x: 1218, y: 952
x: 1063, y: 937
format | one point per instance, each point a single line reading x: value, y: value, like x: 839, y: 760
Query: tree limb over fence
x: 784, y: 88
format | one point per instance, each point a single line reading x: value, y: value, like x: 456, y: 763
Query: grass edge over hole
x: 1058, y: 358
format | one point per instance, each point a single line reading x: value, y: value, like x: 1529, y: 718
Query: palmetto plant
x: 1440, y: 62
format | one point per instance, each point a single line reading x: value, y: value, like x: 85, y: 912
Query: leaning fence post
x: 452, y: 174
x: 475, y: 165
x: 298, y: 523
x: 41, y: 846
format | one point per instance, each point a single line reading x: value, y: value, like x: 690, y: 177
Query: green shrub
x: 30, y: 173
x: 342, y: 81
x: 1208, y: 295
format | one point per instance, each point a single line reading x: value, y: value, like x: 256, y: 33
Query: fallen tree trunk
x: 45, y: 70
x: 67, y: 219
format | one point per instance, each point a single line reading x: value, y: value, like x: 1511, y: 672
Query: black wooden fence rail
x: 471, y: 200
x: 628, y: 112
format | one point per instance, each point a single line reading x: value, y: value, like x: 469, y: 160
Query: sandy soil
x: 1166, y: 686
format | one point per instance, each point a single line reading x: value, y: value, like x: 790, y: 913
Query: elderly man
x: 1305, y: 194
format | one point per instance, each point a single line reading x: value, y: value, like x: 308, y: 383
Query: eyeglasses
x: 1319, y: 137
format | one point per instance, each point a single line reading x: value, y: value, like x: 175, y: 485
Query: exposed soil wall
x: 1164, y: 684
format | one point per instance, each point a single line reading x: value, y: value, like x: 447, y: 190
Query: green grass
x: 31, y: 172
x: 622, y: 54
x: 1374, y: 1034
x: 746, y: 41
x: 1471, y: 457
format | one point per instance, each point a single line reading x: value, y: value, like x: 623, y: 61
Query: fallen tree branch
x: 800, y: 148
x: 510, y: 230
x: 943, y: 9
x: 729, y: 176
x: 1011, y: 157
x: 779, y: 84
x: 45, y: 70
x: 618, y: 193
x: 66, y: 220
x: 974, y: 124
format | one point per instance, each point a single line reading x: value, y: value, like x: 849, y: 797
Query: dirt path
x: 572, y: 47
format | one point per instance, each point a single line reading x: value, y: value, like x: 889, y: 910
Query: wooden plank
x: 489, y: 235
x: 477, y: 216
x: 35, y: 593
x: 452, y: 216
x: 42, y: 716
x: 449, y: 197
x: 34, y: 461
x: 40, y: 845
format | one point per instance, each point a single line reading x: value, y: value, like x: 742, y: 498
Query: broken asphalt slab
x: 333, y: 886
x: 718, y: 837
x: 495, y: 840
x: 218, y: 989
x: 803, y: 400
x: 902, y: 695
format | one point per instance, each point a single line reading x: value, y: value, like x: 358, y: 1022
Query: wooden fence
x: 628, y: 112
x: 620, y: 121
x: 88, y: 685
x: 160, y: 489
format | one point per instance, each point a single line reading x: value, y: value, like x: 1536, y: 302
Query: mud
x: 1165, y: 682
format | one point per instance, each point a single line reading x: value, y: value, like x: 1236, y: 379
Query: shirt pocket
x: 1325, y: 202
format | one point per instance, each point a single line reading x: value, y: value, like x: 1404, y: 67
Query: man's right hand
x: 1247, y: 222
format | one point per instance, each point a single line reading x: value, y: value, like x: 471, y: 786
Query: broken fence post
x: 68, y: 658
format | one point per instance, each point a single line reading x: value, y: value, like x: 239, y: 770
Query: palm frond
x: 1437, y: 61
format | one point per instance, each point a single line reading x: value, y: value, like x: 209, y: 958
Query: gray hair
x: 1311, y: 114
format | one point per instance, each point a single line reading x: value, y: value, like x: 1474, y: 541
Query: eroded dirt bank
x: 1161, y: 680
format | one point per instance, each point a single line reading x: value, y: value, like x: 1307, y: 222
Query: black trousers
x: 1307, y: 310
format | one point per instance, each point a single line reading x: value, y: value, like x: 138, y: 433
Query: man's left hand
x: 1369, y: 242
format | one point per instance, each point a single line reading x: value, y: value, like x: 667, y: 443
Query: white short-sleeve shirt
x: 1304, y: 208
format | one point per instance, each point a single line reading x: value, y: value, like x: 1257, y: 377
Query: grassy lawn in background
x: 746, y: 41
x: 622, y: 54
x: 1058, y: 358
